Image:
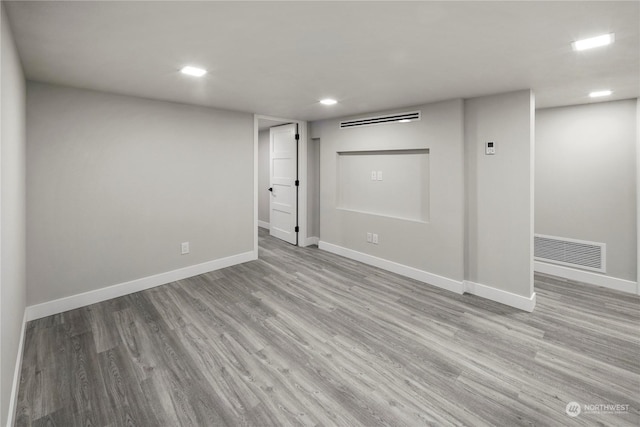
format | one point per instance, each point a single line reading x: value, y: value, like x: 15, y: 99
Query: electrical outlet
x: 369, y: 237
x: 185, y: 248
x: 375, y: 239
x: 373, y: 175
x: 379, y: 175
x: 490, y: 148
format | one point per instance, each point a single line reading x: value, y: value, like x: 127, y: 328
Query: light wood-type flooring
x: 304, y: 337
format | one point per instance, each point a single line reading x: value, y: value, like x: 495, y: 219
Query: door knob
x: 271, y: 189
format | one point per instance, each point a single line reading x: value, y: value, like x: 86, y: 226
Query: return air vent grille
x: 570, y: 252
x: 380, y: 120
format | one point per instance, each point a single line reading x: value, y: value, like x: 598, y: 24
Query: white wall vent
x: 380, y: 120
x: 570, y: 252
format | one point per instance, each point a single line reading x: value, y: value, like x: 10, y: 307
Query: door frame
x: 302, y: 176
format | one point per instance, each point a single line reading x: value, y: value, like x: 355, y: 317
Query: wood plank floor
x: 303, y: 337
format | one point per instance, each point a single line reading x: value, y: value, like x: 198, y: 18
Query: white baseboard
x: 493, y: 294
x: 264, y: 224
x: 13, y: 400
x: 413, y: 273
x: 587, y: 277
x: 503, y: 297
x: 87, y: 298
x: 312, y: 241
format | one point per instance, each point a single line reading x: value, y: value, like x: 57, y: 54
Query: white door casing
x: 283, y: 168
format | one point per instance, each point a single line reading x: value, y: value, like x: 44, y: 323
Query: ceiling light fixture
x: 592, y: 42
x: 193, y: 71
x: 404, y: 121
x: 599, y: 93
x: 328, y: 101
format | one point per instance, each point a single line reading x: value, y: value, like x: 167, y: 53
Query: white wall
x: 263, y: 176
x: 401, y: 192
x: 500, y: 192
x: 116, y: 183
x: 435, y: 246
x: 586, y: 178
x: 12, y: 213
x: 478, y: 235
x: 313, y: 188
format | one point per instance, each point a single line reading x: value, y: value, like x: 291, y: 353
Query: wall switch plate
x: 373, y: 175
x: 379, y: 175
x: 184, y: 248
x: 369, y: 237
x: 490, y: 148
x: 375, y: 239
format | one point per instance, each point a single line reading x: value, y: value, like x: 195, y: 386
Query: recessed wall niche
x: 391, y: 183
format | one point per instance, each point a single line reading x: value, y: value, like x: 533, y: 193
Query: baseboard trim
x: 13, y: 400
x: 87, y: 298
x: 264, y: 224
x: 312, y: 241
x: 394, y: 267
x: 484, y: 291
x: 587, y: 277
x: 503, y: 297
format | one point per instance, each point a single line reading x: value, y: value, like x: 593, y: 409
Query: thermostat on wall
x: 490, y: 148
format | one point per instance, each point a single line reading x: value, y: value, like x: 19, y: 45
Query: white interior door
x: 283, y: 161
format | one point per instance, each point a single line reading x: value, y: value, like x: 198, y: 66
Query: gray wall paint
x: 12, y: 212
x: 500, y: 191
x: 585, y: 178
x: 435, y: 246
x: 313, y: 188
x: 116, y: 183
x: 263, y: 176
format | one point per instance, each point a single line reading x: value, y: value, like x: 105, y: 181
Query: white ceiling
x: 280, y: 58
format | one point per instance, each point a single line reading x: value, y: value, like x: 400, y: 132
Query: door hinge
x: 297, y: 229
x: 297, y: 136
x: 297, y: 183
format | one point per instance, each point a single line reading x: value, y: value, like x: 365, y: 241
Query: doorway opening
x: 280, y: 164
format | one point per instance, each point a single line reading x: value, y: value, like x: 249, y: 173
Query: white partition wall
x: 416, y: 209
x: 499, y: 261
x: 422, y: 199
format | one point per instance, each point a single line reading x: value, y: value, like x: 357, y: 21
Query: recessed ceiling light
x: 404, y: 121
x: 600, y: 93
x: 193, y: 71
x: 592, y: 42
x: 328, y: 101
